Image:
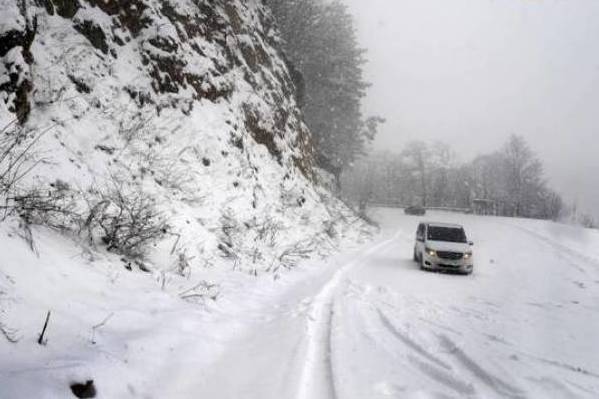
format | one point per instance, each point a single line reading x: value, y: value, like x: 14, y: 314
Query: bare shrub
x: 53, y: 207
x: 128, y: 219
x: 17, y: 157
x: 135, y: 126
x: 229, y: 230
x: 268, y: 231
x: 183, y: 264
x: 588, y: 221
x: 329, y: 229
x: 291, y: 255
x: 175, y: 175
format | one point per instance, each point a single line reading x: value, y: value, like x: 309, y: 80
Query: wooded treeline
x: 326, y: 63
x: 507, y: 182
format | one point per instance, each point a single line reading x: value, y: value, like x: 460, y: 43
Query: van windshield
x: 451, y: 234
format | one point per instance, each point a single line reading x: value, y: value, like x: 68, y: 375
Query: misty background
x: 474, y: 72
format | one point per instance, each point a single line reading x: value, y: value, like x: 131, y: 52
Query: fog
x: 472, y: 72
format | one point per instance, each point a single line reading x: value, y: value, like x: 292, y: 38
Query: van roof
x: 440, y: 224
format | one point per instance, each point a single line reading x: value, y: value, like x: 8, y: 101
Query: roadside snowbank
x: 133, y: 333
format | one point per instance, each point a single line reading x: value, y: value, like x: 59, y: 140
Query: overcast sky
x: 470, y: 72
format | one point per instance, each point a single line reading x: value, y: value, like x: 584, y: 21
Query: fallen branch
x: 41, y: 340
x: 201, y: 290
x: 99, y: 325
x: 176, y: 242
x: 202, y: 284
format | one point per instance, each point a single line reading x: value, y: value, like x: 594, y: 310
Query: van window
x: 420, y: 231
x: 450, y: 234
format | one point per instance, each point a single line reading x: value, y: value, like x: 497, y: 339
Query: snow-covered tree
x: 510, y: 179
x: 416, y: 156
x: 321, y: 43
x: 523, y: 172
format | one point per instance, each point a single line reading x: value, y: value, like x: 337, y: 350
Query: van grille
x: 450, y: 255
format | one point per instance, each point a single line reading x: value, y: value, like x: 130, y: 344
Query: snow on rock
x: 12, y: 20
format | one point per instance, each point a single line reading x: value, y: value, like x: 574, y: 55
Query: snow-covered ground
x: 365, y: 324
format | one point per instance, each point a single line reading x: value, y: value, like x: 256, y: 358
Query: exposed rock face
x: 16, y: 37
x: 190, y: 100
x: 183, y: 50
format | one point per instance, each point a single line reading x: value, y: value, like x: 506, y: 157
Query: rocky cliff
x: 188, y: 103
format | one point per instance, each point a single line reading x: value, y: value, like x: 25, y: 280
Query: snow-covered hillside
x: 187, y: 102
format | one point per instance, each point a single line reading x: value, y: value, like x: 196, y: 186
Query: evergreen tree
x: 320, y: 41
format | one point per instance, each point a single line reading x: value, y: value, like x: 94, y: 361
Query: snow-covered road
x: 365, y: 324
x: 372, y: 325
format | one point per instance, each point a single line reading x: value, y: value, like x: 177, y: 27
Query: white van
x: 443, y: 247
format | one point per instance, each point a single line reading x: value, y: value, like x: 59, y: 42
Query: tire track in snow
x: 413, y: 345
x: 496, y: 384
x: 317, y: 378
x: 464, y: 389
x: 431, y: 366
x: 561, y: 365
x: 571, y: 256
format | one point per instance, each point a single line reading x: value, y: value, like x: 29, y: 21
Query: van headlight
x: 467, y: 255
x: 430, y: 252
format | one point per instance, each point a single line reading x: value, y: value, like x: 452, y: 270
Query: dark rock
x: 261, y: 135
x: 94, y: 34
x: 237, y: 142
x: 234, y: 18
x: 87, y: 390
x: 19, y: 82
x: 105, y: 148
x: 80, y: 85
x: 47, y: 4
x: 66, y: 8
x: 130, y: 13
x: 9, y: 40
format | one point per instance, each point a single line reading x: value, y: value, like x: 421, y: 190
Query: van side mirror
x: 471, y: 243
